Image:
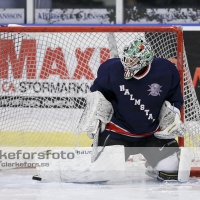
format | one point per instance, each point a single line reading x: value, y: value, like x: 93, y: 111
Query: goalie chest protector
x: 137, y: 102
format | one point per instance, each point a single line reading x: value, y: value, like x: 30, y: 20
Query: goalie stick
x: 95, y: 143
x: 95, y: 153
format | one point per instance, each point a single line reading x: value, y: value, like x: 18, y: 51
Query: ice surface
x: 17, y: 184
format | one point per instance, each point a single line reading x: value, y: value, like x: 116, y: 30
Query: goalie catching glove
x: 97, y: 109
x: 170, y: 123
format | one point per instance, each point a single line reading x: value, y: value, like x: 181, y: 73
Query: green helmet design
x: 136, y: 55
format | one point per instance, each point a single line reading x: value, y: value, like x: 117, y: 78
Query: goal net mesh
x: 46, y: 72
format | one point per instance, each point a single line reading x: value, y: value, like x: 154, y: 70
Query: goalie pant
x: 161, y: 155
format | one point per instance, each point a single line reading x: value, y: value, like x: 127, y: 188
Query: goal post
x: 45, y: 73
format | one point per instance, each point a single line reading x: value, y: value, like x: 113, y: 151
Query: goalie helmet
x: 135, y: 56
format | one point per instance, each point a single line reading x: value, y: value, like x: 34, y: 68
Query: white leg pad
x: 173, y: 164
x: 184, y: 164
x: 109, y: 166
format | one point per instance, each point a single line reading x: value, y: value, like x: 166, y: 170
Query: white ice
x: 17, y: 184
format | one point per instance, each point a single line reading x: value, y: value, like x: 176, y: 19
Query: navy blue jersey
x: 137, y: 102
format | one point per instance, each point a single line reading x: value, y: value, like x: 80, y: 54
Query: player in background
x: 146, y: 98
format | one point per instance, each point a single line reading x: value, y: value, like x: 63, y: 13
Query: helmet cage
x: 136, y: 55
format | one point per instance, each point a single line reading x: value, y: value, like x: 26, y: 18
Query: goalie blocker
x: 97, y: 109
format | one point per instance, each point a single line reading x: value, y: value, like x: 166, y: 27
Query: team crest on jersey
x: 154, y: 89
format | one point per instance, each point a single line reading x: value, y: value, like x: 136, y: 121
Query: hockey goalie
x: 133, y: 108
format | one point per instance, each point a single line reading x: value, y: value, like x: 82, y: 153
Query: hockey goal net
x: 45, y: 73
